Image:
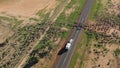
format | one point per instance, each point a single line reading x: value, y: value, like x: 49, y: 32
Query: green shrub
x: 117, y: 52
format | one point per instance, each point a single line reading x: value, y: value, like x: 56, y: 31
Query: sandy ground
x: 117, y: 32
x: 69, y: 11
x: 103, y: 60
x: 21, y: 8
x: 115, y: 7
x: 25, y: 8
x: 4, y: 31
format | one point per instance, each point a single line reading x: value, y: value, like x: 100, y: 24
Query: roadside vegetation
x: 81, y: 52
x: 104, y: 23
x: 11, y: 21
x: 96, y: 37
x: 96, y: 7
x: 103, y: 37
x: 59, y: 30
x: 68, y: 21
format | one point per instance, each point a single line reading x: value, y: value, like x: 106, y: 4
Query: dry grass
x: 103, y: 56
x: 115, y: 7
x: 25, y: 8
x: 105, y: 60
x: 4, y: 31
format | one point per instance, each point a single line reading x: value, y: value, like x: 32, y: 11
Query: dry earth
x: 114, y: 7
x: 103, y: 57
x: 25, y: 8
x: 22, y: 9
x: 4, y: 32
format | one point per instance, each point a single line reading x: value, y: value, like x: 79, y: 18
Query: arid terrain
x: 102, y: 50
x: 33, y: 31
x: 30, y: 31
x: 25, y: 8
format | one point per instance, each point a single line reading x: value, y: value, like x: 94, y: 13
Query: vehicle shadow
x: 63, y: 50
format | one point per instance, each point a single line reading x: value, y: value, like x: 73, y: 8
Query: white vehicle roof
x: 68, y: 45
x: 71, y: 40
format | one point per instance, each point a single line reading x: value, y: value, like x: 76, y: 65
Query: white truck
x: 68, y: 45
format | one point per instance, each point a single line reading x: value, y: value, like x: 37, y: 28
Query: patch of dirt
x: 69, y: 11
x: 112, y: 31
x: 103, y: 56
x: 5, y: 32
x: 25, y: 8
x: 58, y: 40
x: 114, y: 7
x: 118, y: 62
x: 64, y: 29
x: 101, y: 59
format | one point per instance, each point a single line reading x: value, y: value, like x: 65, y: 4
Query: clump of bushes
x: 31, y: 62
x: 117, y: 52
